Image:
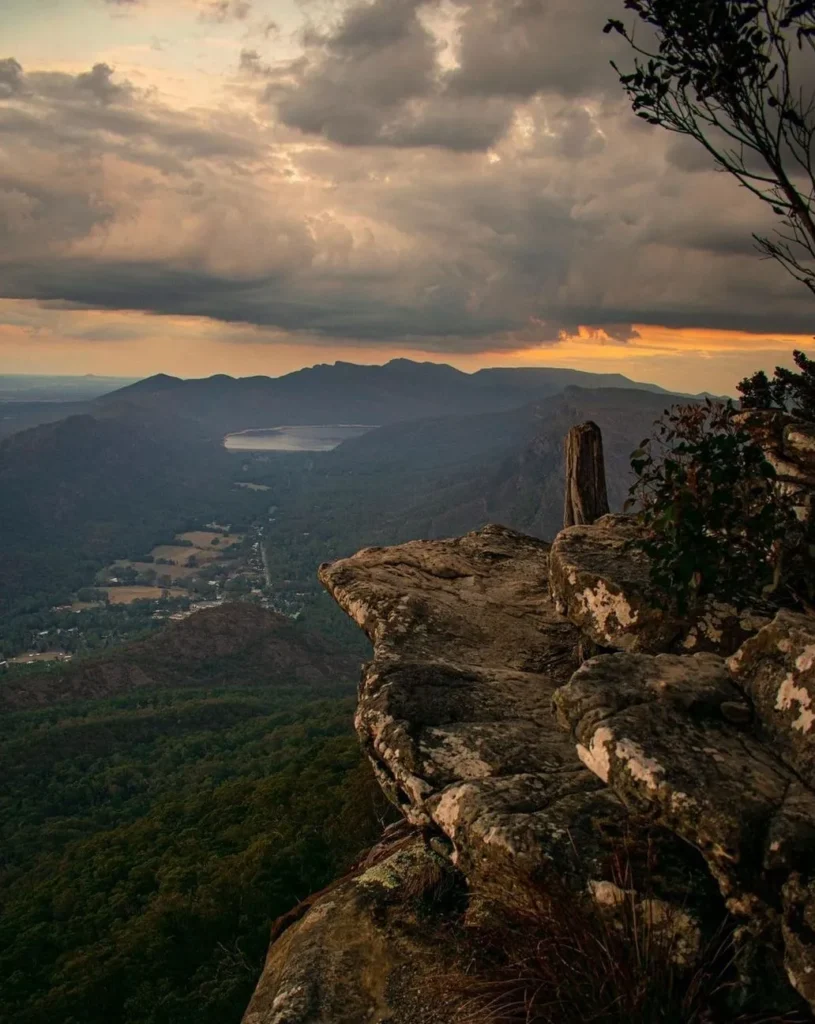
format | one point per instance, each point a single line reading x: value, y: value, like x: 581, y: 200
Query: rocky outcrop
x: 524, y: 764
x: 365, y: 950
x: 789, y: 445
x: 601, y: 582
x: 455, y: 710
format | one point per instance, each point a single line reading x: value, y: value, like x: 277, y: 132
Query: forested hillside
x: 86, y: 490
x: 191, y: 790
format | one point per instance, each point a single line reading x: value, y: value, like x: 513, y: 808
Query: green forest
x: 149, y: 839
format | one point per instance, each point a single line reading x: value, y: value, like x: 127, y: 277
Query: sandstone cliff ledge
x: 521, y: 763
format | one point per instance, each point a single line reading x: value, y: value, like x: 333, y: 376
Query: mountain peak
x: 158, y: 382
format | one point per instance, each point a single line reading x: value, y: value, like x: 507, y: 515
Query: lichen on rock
x: 670, y: 742
x: 776, y: 669
x: 363, y: 951
x: 601, y: 581
x: 526, y: 767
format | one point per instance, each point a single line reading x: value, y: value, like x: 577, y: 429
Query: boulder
x: 365, y: 950
x: 601, y: 582
x: 674, y: 734
x: 602, y: 585
x: 776, y: 669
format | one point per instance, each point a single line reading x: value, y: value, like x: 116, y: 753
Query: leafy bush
x: 712, y: 515
x: 786, y: 390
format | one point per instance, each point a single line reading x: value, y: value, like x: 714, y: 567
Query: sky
x: 251, y: 186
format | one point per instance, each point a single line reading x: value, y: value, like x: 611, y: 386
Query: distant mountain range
x: 454, y: 451
x: 337, y: 393
x: 350, y: 393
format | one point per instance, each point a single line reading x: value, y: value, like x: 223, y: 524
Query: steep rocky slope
x: 526, y: 766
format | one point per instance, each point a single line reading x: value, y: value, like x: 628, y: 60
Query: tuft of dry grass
x: 565, y: 959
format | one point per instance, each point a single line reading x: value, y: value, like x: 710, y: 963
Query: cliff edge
x: 523, y: 765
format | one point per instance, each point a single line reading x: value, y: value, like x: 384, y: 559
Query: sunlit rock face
x: 600, y: 581
x: 455, y: 708
x: 722, y: 752
x: 522, y: 765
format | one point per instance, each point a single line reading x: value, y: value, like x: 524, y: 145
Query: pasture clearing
x: 33, y: 657
x: 177, y: 572
x: 203, y: 539
x: 179, y: 555
x: 127, y: 595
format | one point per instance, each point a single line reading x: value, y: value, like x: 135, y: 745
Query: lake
x: 321, y: 438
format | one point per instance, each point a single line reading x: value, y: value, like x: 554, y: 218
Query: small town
x: 200, y: 569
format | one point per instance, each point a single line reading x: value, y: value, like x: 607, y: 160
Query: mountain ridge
x: 342, y: 392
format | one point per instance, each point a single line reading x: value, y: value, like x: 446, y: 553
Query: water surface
x: 317, y: 438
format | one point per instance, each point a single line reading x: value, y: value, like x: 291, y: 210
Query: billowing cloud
x: 11, y: 77
x: 224, y: 10
x: 451, y: 176
x: 208, y: 10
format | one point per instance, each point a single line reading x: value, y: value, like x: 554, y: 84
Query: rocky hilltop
x: 533, y: 710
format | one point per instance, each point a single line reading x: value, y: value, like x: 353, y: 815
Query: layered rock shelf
x: 522, y: 761
x: 455, y: 708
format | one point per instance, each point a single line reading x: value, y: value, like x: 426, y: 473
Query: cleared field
x: 32, y: 659
x: 127, y: 595
x: 204, y: 538
x: 81, y: 606
x: 181, y: 572
x: 178, y: 572
x: 253, y: 487
x: 179, y: 554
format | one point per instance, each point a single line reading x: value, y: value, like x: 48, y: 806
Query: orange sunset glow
x: 184, y: 192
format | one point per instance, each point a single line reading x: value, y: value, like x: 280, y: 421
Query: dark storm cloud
x: 11, y: 77
x: 456, y: 186
x: 523, y: 47
x: 371, y: 81
x: 378, y: 78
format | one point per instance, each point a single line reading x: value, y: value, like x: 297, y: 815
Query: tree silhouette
x: 738, y: 77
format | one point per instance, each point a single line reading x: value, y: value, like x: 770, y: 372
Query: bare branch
x: 725, y: 73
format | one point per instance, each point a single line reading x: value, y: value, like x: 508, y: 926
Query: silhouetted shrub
x: 787, y: 389
x: 713, y: 518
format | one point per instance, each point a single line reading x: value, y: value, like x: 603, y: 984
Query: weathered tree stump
x: 586, y: 496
